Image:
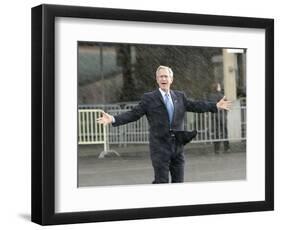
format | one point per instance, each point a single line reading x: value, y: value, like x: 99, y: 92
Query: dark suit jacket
x: 152, y: 105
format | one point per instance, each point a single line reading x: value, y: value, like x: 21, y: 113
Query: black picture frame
x: 43, y: 114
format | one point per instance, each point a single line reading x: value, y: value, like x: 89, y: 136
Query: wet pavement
x: 134, y: 166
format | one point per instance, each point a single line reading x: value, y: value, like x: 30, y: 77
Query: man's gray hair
x: 167, y: 68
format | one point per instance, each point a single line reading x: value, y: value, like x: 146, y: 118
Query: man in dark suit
x: 165, y: 110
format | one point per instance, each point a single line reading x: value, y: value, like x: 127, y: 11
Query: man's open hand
x: 224, y: 104
x: 105, y: 119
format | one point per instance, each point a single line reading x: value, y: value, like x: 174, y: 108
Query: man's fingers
x: 101, y: 122
x: 104, y: 119
x: 100, y: 119
x: 104, y: 114
x: 224, y: 104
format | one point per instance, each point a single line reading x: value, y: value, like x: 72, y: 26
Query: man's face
x: 164, y: 80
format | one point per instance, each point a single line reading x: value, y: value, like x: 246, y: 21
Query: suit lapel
x: 159, y: 97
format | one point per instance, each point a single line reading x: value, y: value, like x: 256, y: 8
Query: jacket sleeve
x: 133, y: 115
x: 199, y: 106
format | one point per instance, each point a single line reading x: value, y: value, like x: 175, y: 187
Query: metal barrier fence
x: 90, y: 132
x: 210, y: 127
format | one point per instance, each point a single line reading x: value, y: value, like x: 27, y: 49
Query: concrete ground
x: 134, y: 165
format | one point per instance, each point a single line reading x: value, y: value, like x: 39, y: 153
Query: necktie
x: 169, y: 106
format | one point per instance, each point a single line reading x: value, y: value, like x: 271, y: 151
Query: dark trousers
x: 172, y: 164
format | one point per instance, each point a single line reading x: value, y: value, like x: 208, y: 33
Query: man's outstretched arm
x: 205, y: 106
x: 124, y: 118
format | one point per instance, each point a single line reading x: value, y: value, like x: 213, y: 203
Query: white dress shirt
x: 163, y: 93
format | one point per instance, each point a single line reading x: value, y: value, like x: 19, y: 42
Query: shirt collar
x: 163, y: 92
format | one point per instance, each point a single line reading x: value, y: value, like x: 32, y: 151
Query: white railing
x: 210, y: 127
x: 90, y: 132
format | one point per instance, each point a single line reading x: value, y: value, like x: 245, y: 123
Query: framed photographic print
x: 145, y: 114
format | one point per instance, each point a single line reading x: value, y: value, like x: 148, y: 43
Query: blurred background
x: 120, y: 73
